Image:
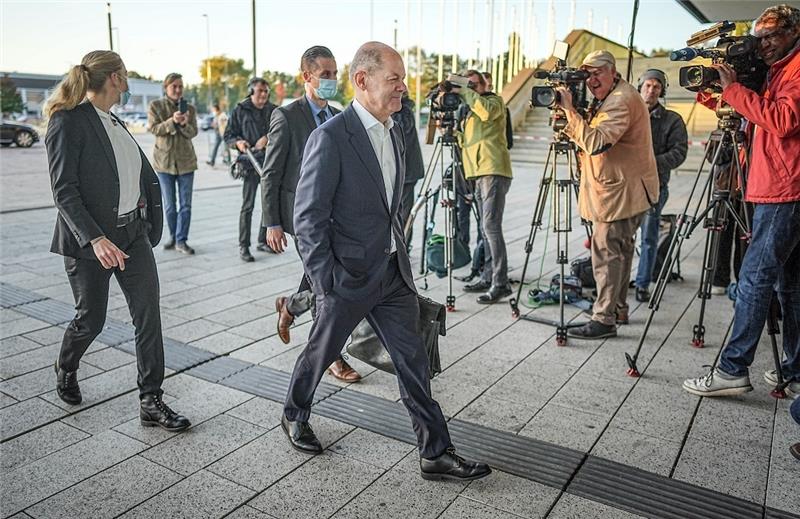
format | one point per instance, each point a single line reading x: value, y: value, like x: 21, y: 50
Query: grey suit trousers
x: 393, y: 312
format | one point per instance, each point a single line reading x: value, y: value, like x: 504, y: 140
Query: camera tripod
x: 564, y: 187
x: 445, y: 195
x: 726, y: 179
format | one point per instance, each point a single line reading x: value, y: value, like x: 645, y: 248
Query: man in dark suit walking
x: 349, y: 236
x: 289, y: 129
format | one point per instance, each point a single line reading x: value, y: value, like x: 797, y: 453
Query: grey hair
x: 369, y: 58
x: 786, y: 16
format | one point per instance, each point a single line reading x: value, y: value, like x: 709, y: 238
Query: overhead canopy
x: 707, y: 11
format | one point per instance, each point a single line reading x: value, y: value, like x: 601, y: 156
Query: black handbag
x: 367, y: 347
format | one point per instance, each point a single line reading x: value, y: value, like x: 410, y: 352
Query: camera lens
x: 544, y: 96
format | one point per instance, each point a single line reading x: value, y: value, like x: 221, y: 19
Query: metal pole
x: 490, y: 54
x: 110, y: 37
x: 501, y: 66
x: 407, y: 36
x: 420, y: 67
x: 395, y: 35
x: 253, y: 3
x: 440, y: 74
x: 454, y: 66
x: 473, y: 34
x: 208, y: 59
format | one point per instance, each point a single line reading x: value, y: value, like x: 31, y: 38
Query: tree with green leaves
x: 10, y: 100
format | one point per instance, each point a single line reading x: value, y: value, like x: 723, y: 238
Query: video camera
x: 740, y: 52
x: 561, y: 75
x: 444, y: 102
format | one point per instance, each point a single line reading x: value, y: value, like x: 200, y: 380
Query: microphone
x: 686, y: 54
x: 541, y: 74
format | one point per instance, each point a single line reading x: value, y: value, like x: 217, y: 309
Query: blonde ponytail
x: 90, y: 75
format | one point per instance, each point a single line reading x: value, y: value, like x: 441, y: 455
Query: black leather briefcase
x: 367, y: 347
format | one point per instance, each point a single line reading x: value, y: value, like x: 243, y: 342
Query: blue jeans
x: 649, y: 248
x: 772, y: 262
x: 794, y: 410
x: 226, y: 154
x: 177, y: 219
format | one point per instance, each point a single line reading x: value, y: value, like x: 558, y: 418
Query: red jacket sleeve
x: 779, y: 115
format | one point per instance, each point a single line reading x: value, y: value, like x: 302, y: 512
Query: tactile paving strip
x: 11, y: 296
x: 48, y: 310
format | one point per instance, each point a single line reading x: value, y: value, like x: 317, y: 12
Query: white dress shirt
x: 129, y: 162
x: 381, y: 139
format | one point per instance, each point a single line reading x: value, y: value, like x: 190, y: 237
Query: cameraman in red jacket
x: 772, y: 261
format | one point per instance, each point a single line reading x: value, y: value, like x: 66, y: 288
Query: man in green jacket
x: 487, y: 162
x: 174, y: 158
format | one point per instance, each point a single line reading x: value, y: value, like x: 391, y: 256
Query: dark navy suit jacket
x: 342, y: 219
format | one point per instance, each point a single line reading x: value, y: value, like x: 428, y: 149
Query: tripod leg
x: 772, y: 330
x: 709, y: 267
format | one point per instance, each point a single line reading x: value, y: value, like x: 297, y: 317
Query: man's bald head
x: 377, y: 73
x: 370, y: 57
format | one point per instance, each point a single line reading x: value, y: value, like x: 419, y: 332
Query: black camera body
x: 547, y: 96
x: 740, y: 52
x: 444, y: 104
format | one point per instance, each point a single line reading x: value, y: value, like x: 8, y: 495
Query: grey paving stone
x: 637, y: 450
x: 203, y: 444
x: 377, y: 383
x: 100, y: 387
x: 109, y: 493
x: 241, y: 314
x: 31, y: 483
x: 574, y: 507
x: 711, y: 465
x: 461, y: 383
x: 46, y: 336
x: 38, y: 444
x: 256, y: 329
x: 27, y: 415
x: 739, y: 422
x: 211, y: 305
x: 106, y: 415
x: 260, y: 351
x: 372, y: 448
x: 8, y: 314
x: 505, y: 492
x: 108, y: 359
x: 193, y: 330
x: 498, y: 414
x: 565, y: 426
x: 332, y: 480
x: 29, y: 361
x: 6, y: 400
x: 202, y: 495
x: 286, y: 360
x: 588, y: 393
x: 531, y: 384
x: 259, y: 411
x: 401, y: 492
x: 221, y: 343
x: 248, y: 512
x: 657, y: 409
x: 16, y: 345
x: 41, y: 381
x: 21, y: 326
x: 464, y: 508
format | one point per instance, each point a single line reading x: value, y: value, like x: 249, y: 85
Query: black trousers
x: 250, y: 185
x: 139, y: 283
x: 393, y: 312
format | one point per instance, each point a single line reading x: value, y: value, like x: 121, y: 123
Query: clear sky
x: 158, y: 37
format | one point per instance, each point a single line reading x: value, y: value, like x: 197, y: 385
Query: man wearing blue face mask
x: 289, y: 129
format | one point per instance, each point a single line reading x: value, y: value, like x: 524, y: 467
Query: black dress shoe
x: 494, y: 295
x: 184, y: 248
x: 469, y: 277
x: 244, y: 254
x: 263, y: 247
x: 452, y: 466
x: 593, y: 330
x: 642, y: 295
x: 154, y: 412
x: 169, y: 244
x: 478, y: 286
x: 301, y: 436
x: 67, y: 386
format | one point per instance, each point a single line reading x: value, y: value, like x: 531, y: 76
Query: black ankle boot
x: 154, y: 412
x: 67, y: 386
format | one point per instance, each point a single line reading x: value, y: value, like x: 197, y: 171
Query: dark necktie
x: 323, y: 116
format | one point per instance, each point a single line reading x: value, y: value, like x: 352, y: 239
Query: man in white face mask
x: 289, y: 129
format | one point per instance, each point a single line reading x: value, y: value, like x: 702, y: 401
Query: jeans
x: 490, y: 193
x: 177, y: 219
x: 794, y: 410
x: 649, y: 233
x: 771, y: 263
x: 226, y: 153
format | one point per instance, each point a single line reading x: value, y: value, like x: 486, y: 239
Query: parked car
x: 17, y: 133
x: 205, y: 121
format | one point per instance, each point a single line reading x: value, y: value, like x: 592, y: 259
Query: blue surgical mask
x: 124, y: 97
x: 327, y: 88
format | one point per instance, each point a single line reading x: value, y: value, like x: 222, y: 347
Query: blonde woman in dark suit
x: 109, y: 218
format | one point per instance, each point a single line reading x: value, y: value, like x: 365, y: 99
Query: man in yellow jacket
x: 487, y: 162
x: 619, y: 183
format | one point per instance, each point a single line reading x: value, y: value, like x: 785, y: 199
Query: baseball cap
x: 599, y: 58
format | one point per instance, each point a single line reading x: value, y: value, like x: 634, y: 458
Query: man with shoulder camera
x: 487, y: 162
x: 772, y: 261
x: 248, y: 128
x: 619, y: 183
x: 670, y: 144
x: 174, y: 123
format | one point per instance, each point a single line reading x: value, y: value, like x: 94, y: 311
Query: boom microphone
x: 686, y: 54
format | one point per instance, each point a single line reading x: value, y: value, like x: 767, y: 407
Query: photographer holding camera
x: 619, y: 183
x: 486, y: 161
x: 772, y: 260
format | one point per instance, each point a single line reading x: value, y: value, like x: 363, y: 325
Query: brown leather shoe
x: 342, y: 370
x: 622, y: 317
x: 285, y: 319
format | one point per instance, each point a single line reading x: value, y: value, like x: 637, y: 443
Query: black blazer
x: 85, y: 182
x: 289, y: 129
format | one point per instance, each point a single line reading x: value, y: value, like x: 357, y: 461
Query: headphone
x: 654, y: 73
x: 252, y: 84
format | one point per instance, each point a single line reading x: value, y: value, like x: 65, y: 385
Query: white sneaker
x: 718, y: 291
x: 718, y: 383
x: 771, y: 377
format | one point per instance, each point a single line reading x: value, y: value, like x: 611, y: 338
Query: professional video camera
x: 561, y: 75
x: 444, y: 102
x: 740, y: 52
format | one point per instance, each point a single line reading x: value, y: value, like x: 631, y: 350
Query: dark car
x: 20, y: 134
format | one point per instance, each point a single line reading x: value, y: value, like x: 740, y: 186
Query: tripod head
x: 727, y: 117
